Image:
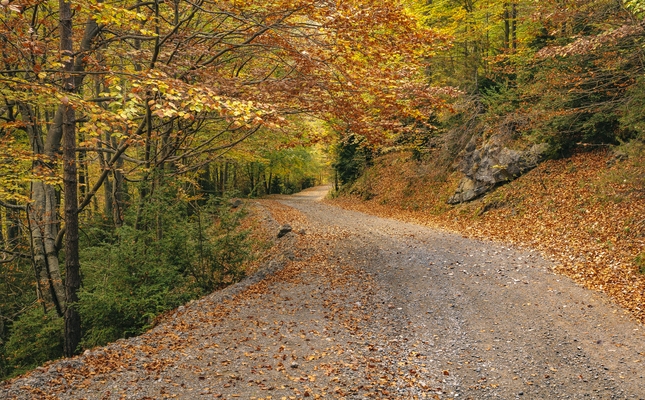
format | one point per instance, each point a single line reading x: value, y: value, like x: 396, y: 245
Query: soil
x: 358, y: 307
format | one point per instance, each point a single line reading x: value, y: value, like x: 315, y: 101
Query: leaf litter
x: 298, y: 333
x: 319, y: 327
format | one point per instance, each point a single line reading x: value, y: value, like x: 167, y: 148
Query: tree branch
x: 12, y: 206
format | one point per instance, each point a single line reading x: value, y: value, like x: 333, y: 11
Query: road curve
x: 494, y: 320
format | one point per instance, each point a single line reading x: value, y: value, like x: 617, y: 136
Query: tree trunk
x: 13, y: 227
x: 72, y: 263
x: 70, y: 185
x: 270, y: 185
x: 225, y: 177
x: 2, y: 235
x: 249, y: 173
x: 107, y: 184
x: 507, y: 28
x: 144, y: 185
x: 267, y: 181
x: 336, y: 180
x: 119, y: 191
x: 83, y: 171
x: 514, y: 27
x: 43, y: 210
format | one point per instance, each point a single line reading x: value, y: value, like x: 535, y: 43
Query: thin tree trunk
x: 514, y: 27
x: 143, y: 186
x: 118, y: 196
x: 83, y: 174
x: 507, y: 27
x: 2, y: 235
x: 251, y: 173
x: 225, y: 178
x: 267, y: 182
x: 13, y: 227
x: 72, y: 263
x: 70, y: 185
x: 119, y: 191
x: 107, y: 185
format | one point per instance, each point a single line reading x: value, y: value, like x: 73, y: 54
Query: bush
x: 35, y: 338
x: 184, y: 252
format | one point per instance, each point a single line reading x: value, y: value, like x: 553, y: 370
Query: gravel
x: 364, y: 307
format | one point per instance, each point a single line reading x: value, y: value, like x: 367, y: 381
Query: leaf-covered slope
x: 587, y: 212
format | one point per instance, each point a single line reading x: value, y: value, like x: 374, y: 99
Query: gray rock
x: 284, y: 229
x: 491, y: 165
x: 235, y: 203
x: 618, y: 157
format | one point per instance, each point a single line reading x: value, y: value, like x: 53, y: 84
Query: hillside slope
x: 586, y: 212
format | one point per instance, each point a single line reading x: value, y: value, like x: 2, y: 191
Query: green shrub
x: 351, y: 158
x: 184, y: 252
x: 35, y: 338
x: 639, y: 260
x: 632, y: 118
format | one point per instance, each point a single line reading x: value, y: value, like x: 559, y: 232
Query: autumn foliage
x: 179, y: 97
x: 192, y: 99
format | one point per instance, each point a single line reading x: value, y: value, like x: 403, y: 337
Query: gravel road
x: 367, y: 307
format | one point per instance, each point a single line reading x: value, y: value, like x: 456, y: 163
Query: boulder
x: 492, y: 165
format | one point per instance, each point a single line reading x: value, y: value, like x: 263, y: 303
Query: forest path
x: 373, y: 308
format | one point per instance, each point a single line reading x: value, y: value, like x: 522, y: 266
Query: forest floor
x: 361, y: 307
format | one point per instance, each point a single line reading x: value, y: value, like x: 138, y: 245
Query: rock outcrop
x: 492, y: 165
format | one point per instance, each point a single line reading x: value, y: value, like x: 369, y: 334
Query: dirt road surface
x: 365, y: 307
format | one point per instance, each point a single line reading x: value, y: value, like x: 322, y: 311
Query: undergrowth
x: 179, y: 251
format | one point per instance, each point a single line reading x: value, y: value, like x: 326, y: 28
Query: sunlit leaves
x: 15, y: 165
x: 636, y: 6
x: 187, y: 81
x: 110, y: 15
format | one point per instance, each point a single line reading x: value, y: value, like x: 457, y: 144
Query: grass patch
x: 639, y: 261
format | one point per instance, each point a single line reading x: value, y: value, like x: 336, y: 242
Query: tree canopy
x: 110, y: 107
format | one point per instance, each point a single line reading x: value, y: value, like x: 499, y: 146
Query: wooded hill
x: 542, y: 148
